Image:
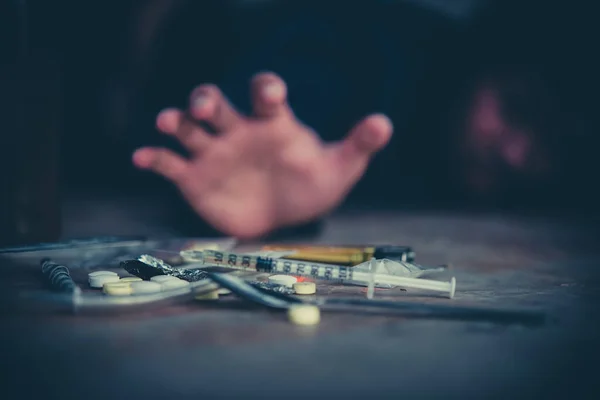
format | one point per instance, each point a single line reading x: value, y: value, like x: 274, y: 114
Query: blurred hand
x: 261, y: 172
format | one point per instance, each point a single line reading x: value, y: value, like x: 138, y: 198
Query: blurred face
x: 498, y: 156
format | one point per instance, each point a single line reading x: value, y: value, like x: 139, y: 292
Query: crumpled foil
x: 146, y: 266
x: 272, y: 287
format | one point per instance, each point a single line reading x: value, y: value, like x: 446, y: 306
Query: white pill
x: 224, y: 291
x: 162, y: 278
x: 285, y: 280
x: 145, y: 287
x: 214, y: 295
x: 98, y: 273
x: 99, y: 280
x: 117, y: 288
x: 171, y: 284
x: 131, y: 279
x: 303, y: 314
x: 305, y: 288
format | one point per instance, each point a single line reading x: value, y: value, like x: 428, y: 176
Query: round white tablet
x: 117, y: 288
x: 305, y: 288
x: 171, y: 284
x: 98, y: 273
x: 162, y: 278
x: 145, y: 287
x: 285, y: 280
x: 303, y: 314
x: 131, y: 279
x: 99, y: 280
x: 214, y: 295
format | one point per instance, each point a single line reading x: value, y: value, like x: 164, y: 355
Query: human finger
x: 269, y: 96
x: 163, y: 162
x: 208, y: 104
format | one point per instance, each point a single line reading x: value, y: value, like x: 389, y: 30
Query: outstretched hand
x: 261, y: 172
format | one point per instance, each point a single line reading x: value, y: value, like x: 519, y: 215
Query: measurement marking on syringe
x: 320, y: 271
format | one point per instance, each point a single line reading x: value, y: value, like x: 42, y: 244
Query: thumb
x: 351, y: 156
x: 366, y: 138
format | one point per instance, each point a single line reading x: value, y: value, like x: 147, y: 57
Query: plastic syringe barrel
x: 319, y: 271
x: 413, y: 283
x: 270, y: 265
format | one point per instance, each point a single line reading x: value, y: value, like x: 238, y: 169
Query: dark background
x: 83, y: 82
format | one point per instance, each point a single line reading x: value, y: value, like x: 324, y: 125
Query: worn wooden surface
x: 235, y: 350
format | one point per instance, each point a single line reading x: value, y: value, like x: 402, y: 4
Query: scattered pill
x: 162, y: 278
x: 305, y: 288
x: 145, y: 287
x: 284, y: 280
x: 214, y: 295
x: 98, y: 273
x: 99, y: 280
x: 304, y: 314
x: 171, y: 284
x: 224, y: 291
x: 117, y: 288
x: 131, y: 279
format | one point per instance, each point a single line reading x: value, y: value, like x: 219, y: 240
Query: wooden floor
x: 234, y: 350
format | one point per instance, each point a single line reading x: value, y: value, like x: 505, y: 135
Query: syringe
x: 314, y: 270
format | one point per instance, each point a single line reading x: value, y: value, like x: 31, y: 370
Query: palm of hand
x: 250, y: 179
x: 259, y: 173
